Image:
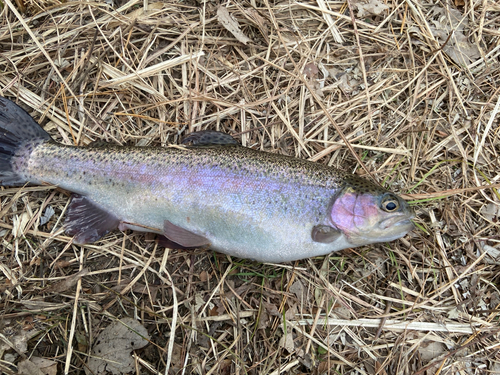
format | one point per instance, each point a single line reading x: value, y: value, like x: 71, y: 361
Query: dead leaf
x: 254, y: 16
x: 494, y: 254
x: 431, y: 350
x: 379, y: 368
x: 370, y: 7
x: 271, y: 308
x: 141, y: 13
x: 225, y: 367
x: 324, y: 367
x: 231, y: 24
x: 305, y: 359
x: 311, y: 70
x: 453, y: 313
x: 67, y: 283
x: 298, y: 289
x: 26, y: 367
x: 49, y: 212
x: 38, y: 303
x: 494, y: 300
x: 62, y: 264
x: 342, y: 312
x: 457, y: 46
x: 113, y: 346
x: 494, y: 367
x: 204, y: 276
x: 38, y: 366
x: 286, y: 342
x: 199, y: 302
x: 138, y: 288
x: 491, y: 212
x: 17, y: 338
x: 81, y: 339
x: 177, y: 355
x: 461, y: 51
x: 263, y: 321
x: 291, y: 313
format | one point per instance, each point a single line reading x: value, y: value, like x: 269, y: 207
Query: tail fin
x: 18, y: 134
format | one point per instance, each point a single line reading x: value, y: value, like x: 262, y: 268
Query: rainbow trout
x: 212, y: 192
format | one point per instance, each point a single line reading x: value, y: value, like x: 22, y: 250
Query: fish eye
x: 390, y: 203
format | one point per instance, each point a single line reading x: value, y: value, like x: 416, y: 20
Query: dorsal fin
x: 100, y: 143
x: 209, y: 138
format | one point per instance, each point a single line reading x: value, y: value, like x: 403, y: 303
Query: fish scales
x: 237, y: 200
x: 218, y: 190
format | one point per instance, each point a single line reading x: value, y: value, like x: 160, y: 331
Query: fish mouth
x: 401, y: 223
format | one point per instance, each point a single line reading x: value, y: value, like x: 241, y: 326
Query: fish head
x: 366, y: 213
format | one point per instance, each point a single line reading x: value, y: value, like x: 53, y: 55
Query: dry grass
x: 418, y: 118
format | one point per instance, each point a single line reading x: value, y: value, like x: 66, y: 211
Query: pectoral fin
x: 207, y: 138
x: 182, y: 236
x: 88, y: 222
x: 325, y: 234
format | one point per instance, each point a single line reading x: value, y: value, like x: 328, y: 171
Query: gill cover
x: 370, y: 215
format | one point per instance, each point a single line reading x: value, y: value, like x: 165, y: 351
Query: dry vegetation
x: 414, y: 90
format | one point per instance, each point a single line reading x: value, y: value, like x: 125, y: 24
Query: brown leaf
x: 177, y: 355
x: 46, y: 366
x: 491, y: 212
x: 462, y: 52
x: 457, y: 46
x: 298, y: 289
x: 254, y: 16
x: 263, y: 322
x: 291, y: 313
x: 111, y: 352
x: 26, y: 367
x: 81, y: 339
x: 286, y: 342
x: 369, y: 7
x: 213, y: 311
x: 204, y: 276
x: 324, y: 367
x: 67, y: 283
x: 305, y: 359
x: 62, y: 264
x: 17, y: 339
x: 379, y: 369
x: 271, y: 308
x: 311, y: 70
x: 225, y: 367
x: 431, y: 350
x: 231, y: 24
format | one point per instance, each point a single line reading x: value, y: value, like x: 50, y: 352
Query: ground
x: 412, y: 86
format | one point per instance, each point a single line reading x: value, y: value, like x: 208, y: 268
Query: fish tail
x: 19, y: 135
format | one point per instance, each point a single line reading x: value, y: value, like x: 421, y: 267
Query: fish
x: 209, y: 192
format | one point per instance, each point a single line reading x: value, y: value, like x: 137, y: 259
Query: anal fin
x: 165, y: 242
x: 88, y: 222
x: 182, y: 236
